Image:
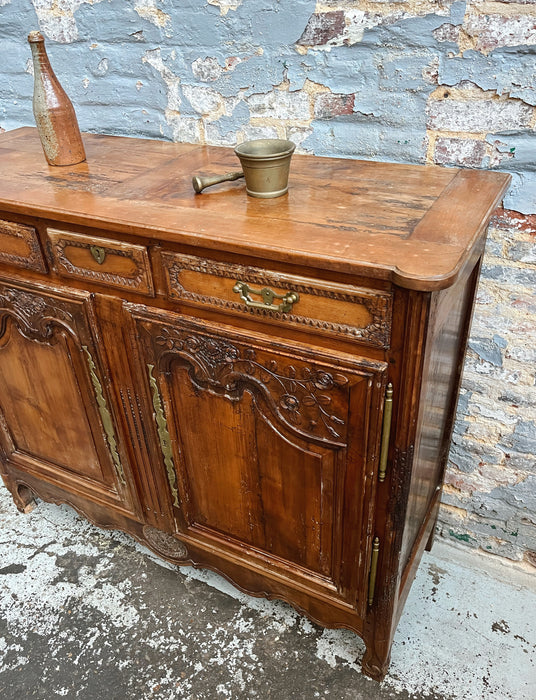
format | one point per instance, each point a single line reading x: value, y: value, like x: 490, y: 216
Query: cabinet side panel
x: 445, y: 349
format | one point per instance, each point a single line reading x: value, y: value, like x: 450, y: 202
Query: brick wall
x: 410, y: 81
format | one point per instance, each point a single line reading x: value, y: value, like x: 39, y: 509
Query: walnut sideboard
x: 293, y: 440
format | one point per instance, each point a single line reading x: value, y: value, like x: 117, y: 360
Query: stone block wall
x: 423, y: 81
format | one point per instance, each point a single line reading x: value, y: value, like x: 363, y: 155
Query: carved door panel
x: 258, y: 450
x: 56, y: 421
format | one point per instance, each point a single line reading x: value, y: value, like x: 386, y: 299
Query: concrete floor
x: 90, y: 614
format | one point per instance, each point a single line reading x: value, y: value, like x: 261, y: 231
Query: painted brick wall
x: 425, y: 81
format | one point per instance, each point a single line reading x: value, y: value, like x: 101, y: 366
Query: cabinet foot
x: 430, y: 541
x: 375, y: 665
x: 22, y: 496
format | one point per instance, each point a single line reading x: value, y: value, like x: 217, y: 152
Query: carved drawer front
x: 19, y: 246
x: 101, y: 260
x: 363, y: 315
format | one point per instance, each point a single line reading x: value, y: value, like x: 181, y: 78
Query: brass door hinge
x: 373, y: 569
x: 386, y: 431
x: 106, y: 416
x: 163, y: 436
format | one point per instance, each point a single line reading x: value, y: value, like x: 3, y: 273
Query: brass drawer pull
x: 98, y: 253
x: 268, y: 296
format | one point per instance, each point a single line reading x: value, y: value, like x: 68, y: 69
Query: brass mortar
x: 265, y: 164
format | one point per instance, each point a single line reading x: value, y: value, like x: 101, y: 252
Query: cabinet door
x: 56, y: 421
x: 269, y: 447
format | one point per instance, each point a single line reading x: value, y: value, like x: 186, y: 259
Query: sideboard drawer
x: 329, y: 308
x: 19, y: 246
x: 101, y: 260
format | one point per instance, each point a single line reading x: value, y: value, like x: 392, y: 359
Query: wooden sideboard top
x: 413, y: 225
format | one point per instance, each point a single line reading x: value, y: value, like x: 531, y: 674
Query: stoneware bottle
x: 53, y: 111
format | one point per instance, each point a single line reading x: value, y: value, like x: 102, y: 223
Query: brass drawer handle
x: 268, y: 296
x: 98, y: 253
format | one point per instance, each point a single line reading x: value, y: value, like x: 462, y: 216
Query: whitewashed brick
x: 203, y: 99
x: 280, y: 104
x: 485, y: 115
x: 215, y: 137
x: 259, y: 132
x: 185, y: 129
x: 226, y: 5
x: 207, y: 69
x: 453, y: 151
x: 493, y: 31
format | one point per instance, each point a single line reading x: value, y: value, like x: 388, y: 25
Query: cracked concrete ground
x: 87, y: 613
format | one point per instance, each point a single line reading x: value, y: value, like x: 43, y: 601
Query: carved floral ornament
x: 164, y: 543
x: 307, y: 398
x: 34, y: 313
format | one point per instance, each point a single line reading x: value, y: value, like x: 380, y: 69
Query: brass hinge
x: 386, y: 431
x: 373, y: 569
x: 163, y: 436
x: 105, y: 415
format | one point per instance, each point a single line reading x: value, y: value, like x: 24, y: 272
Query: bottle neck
x: 40, y: 57
x: 45, y: 81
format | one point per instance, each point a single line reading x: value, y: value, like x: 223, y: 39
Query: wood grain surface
x: 413, y: 225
